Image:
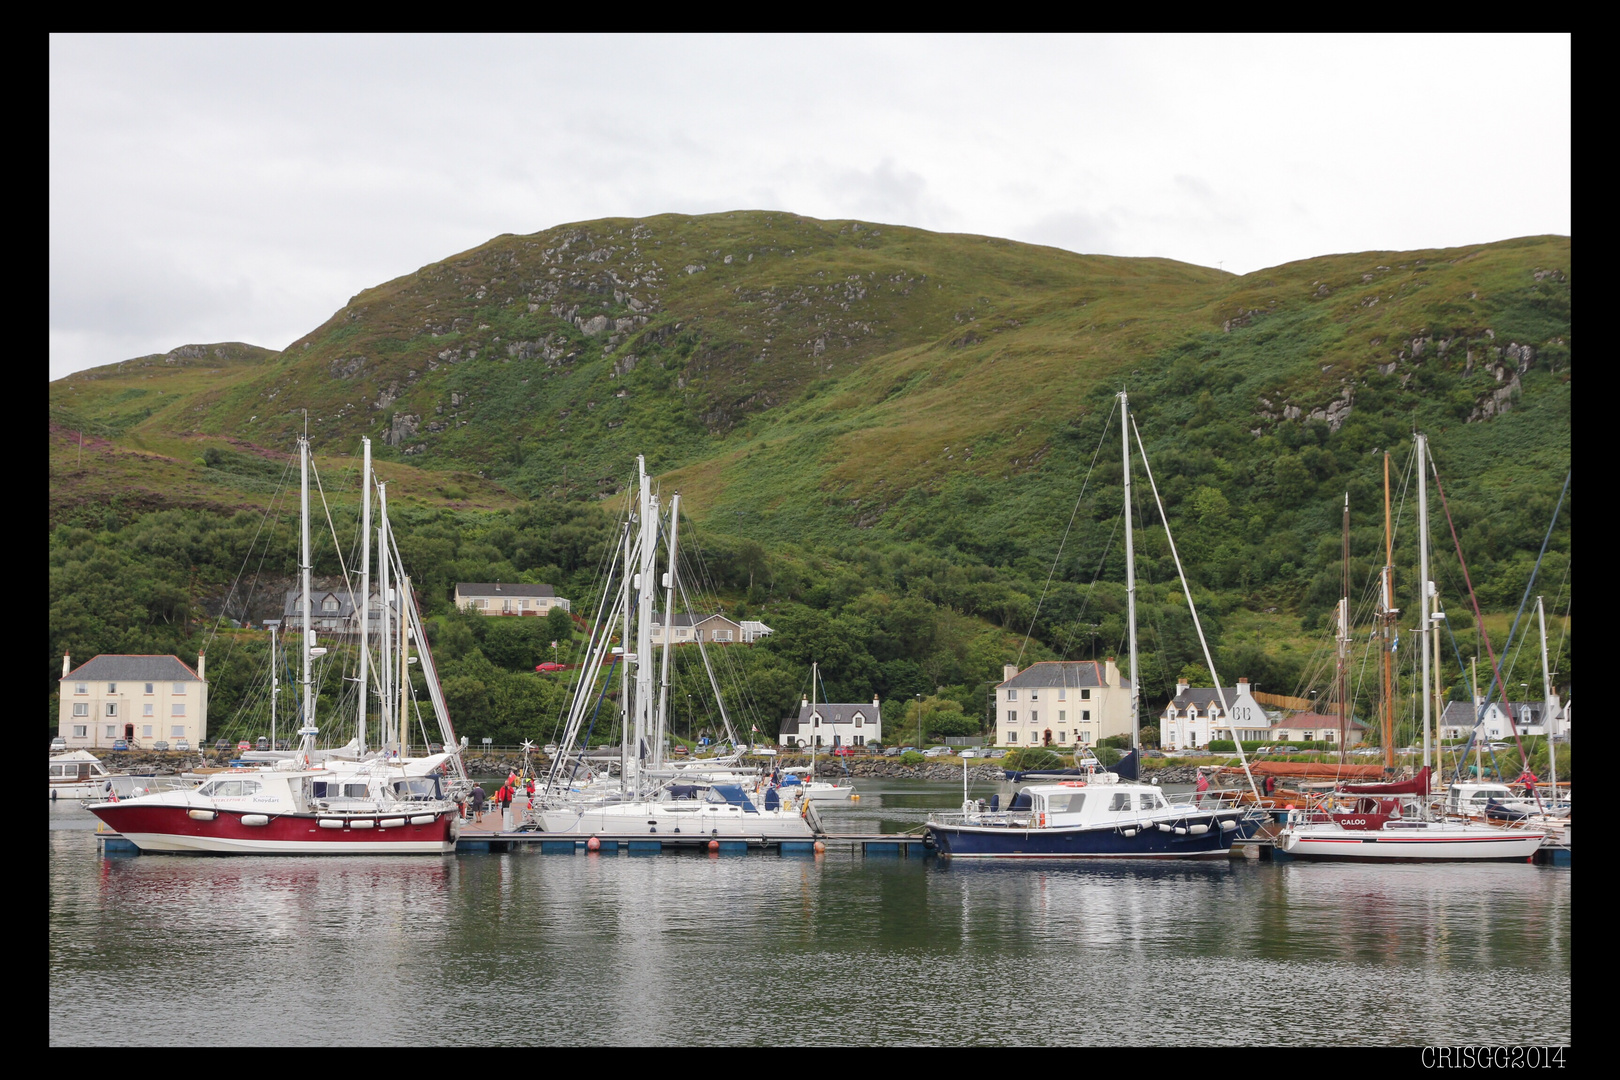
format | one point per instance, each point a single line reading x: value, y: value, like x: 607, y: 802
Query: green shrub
x: 912, y: 757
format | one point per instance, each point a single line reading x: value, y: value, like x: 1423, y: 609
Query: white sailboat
x: 810, y: 787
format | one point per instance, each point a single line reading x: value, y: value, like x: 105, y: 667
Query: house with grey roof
x: 1314, y: 727
x: 333, y: 612
x: 508, y: 598
x: 1062, y: 703
x: 138, y: 698
x: 829, y: 724
x: 1195, y: 715
x: 1530, y: 718
x: 715, y: 629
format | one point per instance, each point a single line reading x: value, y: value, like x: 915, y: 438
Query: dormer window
x: 329, y: 604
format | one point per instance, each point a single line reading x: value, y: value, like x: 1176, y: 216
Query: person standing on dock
x: 477, y: 798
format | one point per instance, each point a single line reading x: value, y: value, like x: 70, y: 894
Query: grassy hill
x: 854, y: 400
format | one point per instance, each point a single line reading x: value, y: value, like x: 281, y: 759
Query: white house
x: 1062, y: 703
x: 753, y: 630
x: 141, y: 699
x: 1194, y: 716
x: 1316, y: 727
x: 830, y: 724
x: 508, y: 598
x: 1529, y: 716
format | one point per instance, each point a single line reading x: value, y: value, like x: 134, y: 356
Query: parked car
x: 161, y: 746
x: 58, y: 743
x: 243, y: 747
x: 120, y: 744
x: 936, y: 751
x: 549, y: 666
x: 283, y: 744
x: 993, y: 754
x: 680, y: 751
x: 1287, y: 749
x: 183, y: 745
x: 893, y: 751
x: 223, y: 746
x: 262, y: 743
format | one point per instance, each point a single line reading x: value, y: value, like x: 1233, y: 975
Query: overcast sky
x: 243, y: 188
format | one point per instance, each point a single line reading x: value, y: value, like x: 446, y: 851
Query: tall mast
x: 1548, y: 717
x: 669, y: 626
x: 404, y: 588
x: 365, y: 590
x: 1344, y: 642
x: 1130, y: 564
x: 385, y: 643
x: 275, y: 686
x: 1425, y: 586
x: 308, y: 732
x: 625, y: 757
x: 1386, y: 616
x: 644, y: 608
x: 815, y: 736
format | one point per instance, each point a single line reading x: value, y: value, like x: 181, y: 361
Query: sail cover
x: 1418, y: 785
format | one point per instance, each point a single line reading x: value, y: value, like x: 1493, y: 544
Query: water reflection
x: 686, y: 949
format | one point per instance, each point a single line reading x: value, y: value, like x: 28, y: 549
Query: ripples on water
x: 693, y: 949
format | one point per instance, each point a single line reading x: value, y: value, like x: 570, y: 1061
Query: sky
x: 207, y: 189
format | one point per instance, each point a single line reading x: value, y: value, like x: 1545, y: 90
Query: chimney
x: 874, y: 701
x: 67, y: 665
x: 1111, y: 676
x: 1181, y: 687
x: 804, y: 702
x: 202, y: 666
x: 1008, y: 671
x: 1243, y: 685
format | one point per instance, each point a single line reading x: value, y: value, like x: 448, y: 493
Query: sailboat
x: 1390, y: 822
x: 302, y: 805
x: 652, y: 796
x: 1099, y: 813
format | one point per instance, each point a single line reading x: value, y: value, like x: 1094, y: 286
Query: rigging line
x: 1085, y: 605
x: 1066, y: 529
x: 337, y: 546
x: 214, y: 630
x: 1496, y: 675
x: 1220, y: 693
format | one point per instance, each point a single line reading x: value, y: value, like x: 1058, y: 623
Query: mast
x: 815, y: 736
x: 365, y: 590
x: 1548, y: 717
x: 1130, y: 566
x: 275, y: 686
x: 1426, y: 587
x: 625, y: 757
x: 307, y: 733
x: 644, y: 608
x: 669, y: 626
x: 1386, y: 616
x: 385, y: 651
x: 1344, y: 644
x: 404, y: 588
x: 1479, y: 716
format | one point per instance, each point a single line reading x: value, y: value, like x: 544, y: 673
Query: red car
x: 549, y: 666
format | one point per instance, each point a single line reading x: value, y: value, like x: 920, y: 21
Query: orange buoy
x: 820, y: 847
x: 593, y: 844
x: 714, y: 845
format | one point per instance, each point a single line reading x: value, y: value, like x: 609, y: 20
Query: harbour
x: 789, y: 948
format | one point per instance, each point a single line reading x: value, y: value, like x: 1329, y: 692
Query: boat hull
x: 1450, y: 845
x: 1080, y: 842
x: 158, y: 828
x: 720, y: 822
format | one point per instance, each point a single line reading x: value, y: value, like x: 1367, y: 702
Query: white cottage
x: 1194, y: 716
x: 829, y: 724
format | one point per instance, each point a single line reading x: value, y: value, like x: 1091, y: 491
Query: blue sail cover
x: 1126, y: 769
x: 735, y: 795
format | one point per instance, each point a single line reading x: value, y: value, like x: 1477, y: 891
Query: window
x: 178, y: 731
x: 1012, y: 736
x: 112, y: 708
x: 112, y: 731
x: 81, y: 688
x: 1148, y: 802
x: 146, y: 731
x: 146, y: 710
x: 1063, y: 694
x: 722, y: 635
x: 81, y: 708
x: 81, y: 731
x: 148, y: 688
x: 177, y: 710
x: 112, y: 688
x: 859, y: 719
x: 1066, y: 804
x: 1122, y: 801
x: 1034, y: 695
x: 1063, y: 736
x: 483, y: 605
x: 1012, y: 716
x: 180, y: 688
x: 1085, y: 695
x: 1085, y: 736
x: 1063, y: 716
x: 1085, y: 714
x: 329, y: 604
x: 1012, y: 695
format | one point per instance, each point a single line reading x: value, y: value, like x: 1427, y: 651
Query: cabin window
x: 1122, y: 801
x: 354, y: 791
x: 1066, y: 804
x: 1149, y: 802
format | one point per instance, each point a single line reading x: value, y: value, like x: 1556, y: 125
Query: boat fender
x: 1198, y: 830
x: 255, y: 819
x: 1163, y: 827
x: 1130, y: 832
x: 1180, y: 831
x: 201, y: 815
x: 331, y: 823
x: 1227, y: 826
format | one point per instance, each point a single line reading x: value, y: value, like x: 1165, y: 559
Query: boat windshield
x: 418, y: 788
x: 1149, y: 802
x: 1066, y: 803
x: 228, y: 789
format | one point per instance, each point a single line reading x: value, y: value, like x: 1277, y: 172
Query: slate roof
x: 831, y: 712
x: 1202, y: 697
x: 1461, y: 713
x: 496, y: 588
x: 691, y: 620
x: 1065, y: 673
x: 119, y: 667
x: 1316, y: 720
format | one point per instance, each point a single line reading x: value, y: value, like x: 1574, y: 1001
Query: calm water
x: 525, y: 948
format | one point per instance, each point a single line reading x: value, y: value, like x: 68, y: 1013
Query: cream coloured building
x: 141, y: 699
x: 507, y: 598
x: 1062, y: 703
